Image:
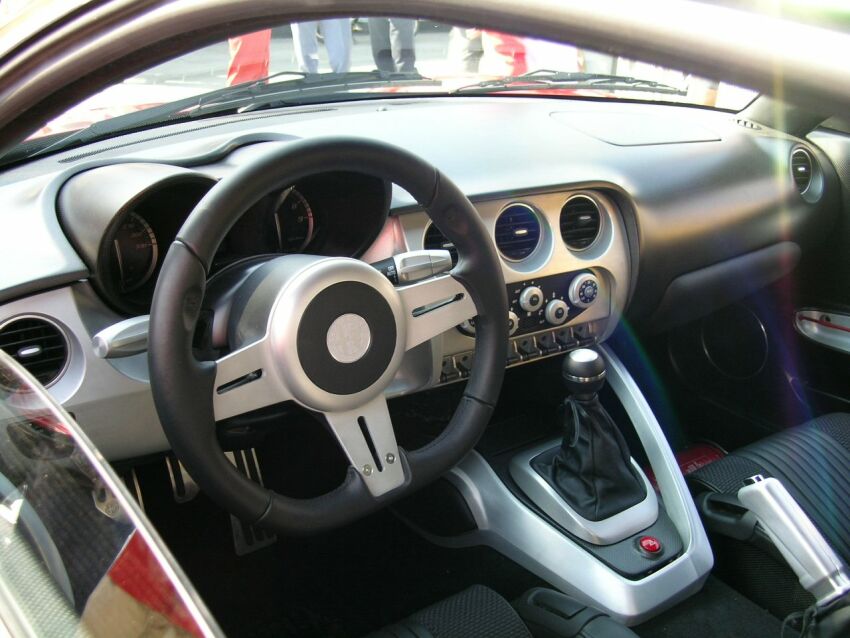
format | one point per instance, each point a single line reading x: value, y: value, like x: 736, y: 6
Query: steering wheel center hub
x: 337, y: 333
x: 349, y: 338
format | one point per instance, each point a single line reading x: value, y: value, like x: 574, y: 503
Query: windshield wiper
x: 546, y: 79
x: 252, y: 98
x: 240, y: 98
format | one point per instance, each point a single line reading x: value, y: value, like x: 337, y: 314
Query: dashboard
x: 599, y: 211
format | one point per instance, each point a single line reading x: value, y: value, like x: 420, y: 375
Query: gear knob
x: 583, y: 371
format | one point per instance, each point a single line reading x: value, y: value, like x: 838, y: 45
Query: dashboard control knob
x: 583, y: 290
x: 556, y: 312
x: 513, y: 322
x: 531, y: 298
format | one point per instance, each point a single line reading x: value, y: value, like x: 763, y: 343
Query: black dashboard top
x: 695, y: 188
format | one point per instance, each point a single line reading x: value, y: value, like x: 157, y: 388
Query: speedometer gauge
x: 293, y: 219
x: 136, y: 252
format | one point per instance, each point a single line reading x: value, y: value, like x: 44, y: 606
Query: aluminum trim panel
x: 509, y: 526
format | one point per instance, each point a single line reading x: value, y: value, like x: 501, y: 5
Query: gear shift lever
x: 592, y: 470
x: 583, y: 372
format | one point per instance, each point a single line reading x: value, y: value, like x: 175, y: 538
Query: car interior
x: 467, y: 364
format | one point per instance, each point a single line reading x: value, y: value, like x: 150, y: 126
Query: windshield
x: 364, y: 58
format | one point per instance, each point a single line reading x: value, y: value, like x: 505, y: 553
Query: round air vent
x: 581, y: 222
x: 435, y: 240
x: 38, y: 345
x: 801, y: 169
x: 517, y: 231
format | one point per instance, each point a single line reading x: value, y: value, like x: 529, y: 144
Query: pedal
x: 183, y: 486
x: 131, y: 481
x: 248, y: 538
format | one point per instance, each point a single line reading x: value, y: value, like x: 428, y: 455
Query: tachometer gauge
x: 293, y: 219
x: 136, y: 252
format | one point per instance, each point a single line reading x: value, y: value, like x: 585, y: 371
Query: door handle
x: 830, y: 329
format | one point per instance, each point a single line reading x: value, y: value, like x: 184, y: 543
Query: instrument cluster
x: 124, y: 235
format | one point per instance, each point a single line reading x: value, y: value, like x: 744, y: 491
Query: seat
x: 811, y: 460
x: 479, y: 612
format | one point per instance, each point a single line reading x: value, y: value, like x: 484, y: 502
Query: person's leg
x: 405, y: 54
x: 474, y: 50
x: 337, y: 34
x: 305, y: 45
x: 249, y: 57
x: 379, y: 36
x: 465, y: 49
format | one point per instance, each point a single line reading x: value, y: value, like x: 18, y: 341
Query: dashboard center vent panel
x: 580, y: 222
x: 435, y: 240
x: 801, y: 169
x: 38, y: 345
x: 517, y: 231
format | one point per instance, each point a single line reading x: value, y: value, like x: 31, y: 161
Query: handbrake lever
x: 818, y: 567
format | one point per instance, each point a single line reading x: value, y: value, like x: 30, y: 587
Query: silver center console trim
x: 605, y: 532
x: 671, y: 483
x: 510, y: 527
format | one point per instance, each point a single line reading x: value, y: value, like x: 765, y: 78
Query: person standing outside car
x: 392, y: 48
x: 249, y: 57
x: 337, y: 37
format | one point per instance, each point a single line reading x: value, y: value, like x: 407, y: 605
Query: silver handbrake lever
x: 805, y: 549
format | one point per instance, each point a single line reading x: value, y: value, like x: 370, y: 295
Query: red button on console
x: 650, y: 544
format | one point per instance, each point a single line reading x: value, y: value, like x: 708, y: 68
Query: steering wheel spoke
x: 433, y: 306
x: 366, y: 436
x: 245, y: 381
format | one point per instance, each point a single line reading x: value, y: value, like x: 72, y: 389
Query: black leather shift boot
x: 591, y: 470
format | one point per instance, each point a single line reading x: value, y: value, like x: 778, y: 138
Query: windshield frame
x: 119, y: 27
x: 328, y: 88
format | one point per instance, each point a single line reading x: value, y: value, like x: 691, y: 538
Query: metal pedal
x: 131, y: 481
x: 248, y: 538
x: 183, y: 486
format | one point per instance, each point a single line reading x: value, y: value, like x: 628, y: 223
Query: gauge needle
x: 120, y: 261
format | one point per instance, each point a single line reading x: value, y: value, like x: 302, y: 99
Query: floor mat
x: 718, y: 611
x: 693, y: 458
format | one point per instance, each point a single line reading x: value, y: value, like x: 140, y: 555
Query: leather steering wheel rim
x: 178, y: 379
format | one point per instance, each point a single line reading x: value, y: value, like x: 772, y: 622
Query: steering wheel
x: 326, y: 332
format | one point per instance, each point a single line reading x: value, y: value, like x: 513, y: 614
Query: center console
x: 539, y: 318
x: 632, y: 563
x: 576, y: 509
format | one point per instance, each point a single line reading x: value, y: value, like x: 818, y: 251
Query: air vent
x: 580, y: 222
x: 38, y: 345
x: 801, y: 169
x: 435, y: 240
x: 517, y: 232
